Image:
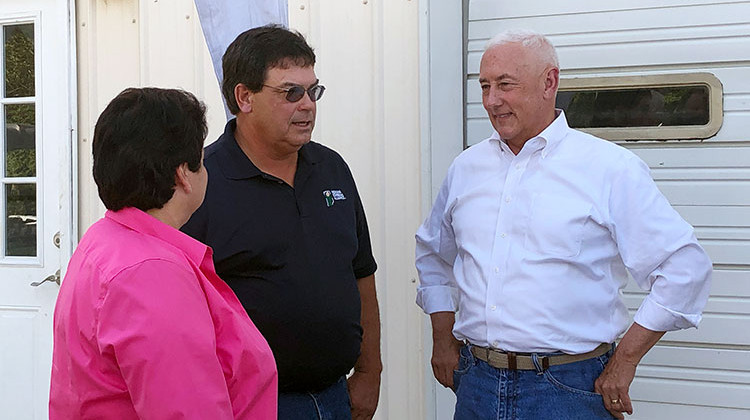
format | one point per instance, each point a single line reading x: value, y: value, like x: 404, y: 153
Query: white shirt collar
x: 550, y: 136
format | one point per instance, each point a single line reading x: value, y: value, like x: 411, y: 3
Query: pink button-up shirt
x: 144, y: 328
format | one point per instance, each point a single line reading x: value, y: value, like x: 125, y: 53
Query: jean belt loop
x: 470, y: 353
x: 537, y: 363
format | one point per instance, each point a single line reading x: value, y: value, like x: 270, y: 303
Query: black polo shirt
x: 291, y: 254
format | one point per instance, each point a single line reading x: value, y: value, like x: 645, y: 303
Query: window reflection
x: 18, y: 46
x: 20, y: 220
x: 20, y: 141
x: 636, y: 107
x: 18, y: 224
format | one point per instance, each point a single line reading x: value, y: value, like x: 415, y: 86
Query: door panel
x: 35, y: 194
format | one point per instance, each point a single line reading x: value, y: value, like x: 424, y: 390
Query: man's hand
x: 614, y: 386
x: 364, y: 391
x: 614, y: 382
x: 445, y: 348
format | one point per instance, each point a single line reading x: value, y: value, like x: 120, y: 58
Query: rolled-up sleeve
x: 660, y: 250
x: 155, y: 323
x: 435, y: 255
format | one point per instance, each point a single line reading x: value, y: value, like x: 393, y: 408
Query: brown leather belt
x: 516, y: 361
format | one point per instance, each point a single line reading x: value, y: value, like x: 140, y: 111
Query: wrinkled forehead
x: 510, y: 51
x: 508, y: 58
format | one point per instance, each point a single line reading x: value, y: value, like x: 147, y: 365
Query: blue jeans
x: 560, y: 392
x: 331, y: 403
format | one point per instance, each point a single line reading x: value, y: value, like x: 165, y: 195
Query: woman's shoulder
x: 112, y: 248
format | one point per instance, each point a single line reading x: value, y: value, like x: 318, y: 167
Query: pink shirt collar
x: 142, y: 222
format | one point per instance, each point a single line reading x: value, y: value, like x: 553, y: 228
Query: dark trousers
x: 331, y: 403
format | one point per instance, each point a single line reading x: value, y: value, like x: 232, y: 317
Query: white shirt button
x: 518, y: 166
x: 494, y: 344
x: 493, y: 307
x: 502, y: 235
x: 507, y: 199
x: 496, y: 270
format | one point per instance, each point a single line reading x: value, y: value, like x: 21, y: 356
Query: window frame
x: 663, y: 133
x: 27, y: 260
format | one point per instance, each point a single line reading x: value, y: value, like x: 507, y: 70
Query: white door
x: 35, y: 194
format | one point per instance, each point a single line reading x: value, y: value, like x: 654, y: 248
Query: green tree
x: 21, y: 163
x: 19, y: 60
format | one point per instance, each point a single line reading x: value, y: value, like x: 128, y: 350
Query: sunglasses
x: 296, y: 92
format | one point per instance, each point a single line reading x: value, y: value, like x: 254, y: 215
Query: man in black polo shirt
x: 289, y: 233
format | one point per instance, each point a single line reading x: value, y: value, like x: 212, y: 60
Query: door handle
x: 52, y: 278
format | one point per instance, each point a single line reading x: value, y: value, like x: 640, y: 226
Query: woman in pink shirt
x: 144, y: 328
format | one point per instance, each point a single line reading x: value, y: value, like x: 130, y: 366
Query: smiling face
x: 282, y: 125
x: 518, y: 92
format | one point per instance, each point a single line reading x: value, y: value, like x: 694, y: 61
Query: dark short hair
x: 254, y: 51
x: 140, y: 140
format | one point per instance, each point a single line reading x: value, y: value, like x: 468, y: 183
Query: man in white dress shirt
x: 527, y: 248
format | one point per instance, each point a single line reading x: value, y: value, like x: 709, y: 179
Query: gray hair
x: 535, y: 41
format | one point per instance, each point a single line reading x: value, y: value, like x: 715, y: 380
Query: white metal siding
x: 693, y: 374
x: 136, y: 43
x: 368, y: 59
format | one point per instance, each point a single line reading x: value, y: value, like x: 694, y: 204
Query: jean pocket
x: 465, y: 362
x: 578, y: 377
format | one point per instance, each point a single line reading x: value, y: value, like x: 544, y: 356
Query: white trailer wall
x: 693, y: 374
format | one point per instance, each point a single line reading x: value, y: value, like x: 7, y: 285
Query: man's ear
x: 551, y: 82
x: 182, y: 180
x: 244, y: 98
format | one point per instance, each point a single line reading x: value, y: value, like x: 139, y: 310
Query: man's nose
x: 306, y: 103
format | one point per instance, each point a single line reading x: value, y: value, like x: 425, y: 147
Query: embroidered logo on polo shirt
x: 332, y: 196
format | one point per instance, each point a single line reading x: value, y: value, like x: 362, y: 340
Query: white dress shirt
x: 532, y: 249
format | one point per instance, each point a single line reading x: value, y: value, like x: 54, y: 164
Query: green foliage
x: 21, y: 114
x: 581, y: 109
x: 21, y: 163
x: 19, y: 60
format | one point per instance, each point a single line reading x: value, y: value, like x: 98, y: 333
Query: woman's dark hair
x: 140, y: 139
x: 254, y: 51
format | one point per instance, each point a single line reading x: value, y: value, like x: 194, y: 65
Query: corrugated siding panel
x: 173, y: 54
x: 698, y: 373
x: 644, y: 38
x: 137, y: 43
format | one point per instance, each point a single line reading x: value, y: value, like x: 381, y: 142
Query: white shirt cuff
x: 437, y: 299
x: 656, y: 317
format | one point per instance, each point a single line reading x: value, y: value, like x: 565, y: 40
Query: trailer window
x: 663, y: 107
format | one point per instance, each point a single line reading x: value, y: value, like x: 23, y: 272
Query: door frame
x: 56, y: 143
x: 69, y: 198
x: 442, y: 40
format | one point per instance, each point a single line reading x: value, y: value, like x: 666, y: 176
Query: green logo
x: 329, y: 197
